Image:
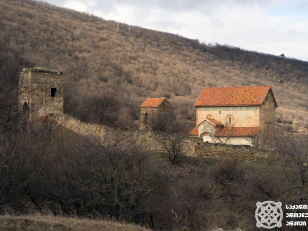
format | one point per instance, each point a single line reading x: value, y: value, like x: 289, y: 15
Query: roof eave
x: 163, y: 100
x: 274, y: 97
x: 266, y: 94
x: 235, y: 105
x: 148, y: 106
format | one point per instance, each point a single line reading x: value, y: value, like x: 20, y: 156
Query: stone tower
x: 40, y: 92
x: 156, y: 114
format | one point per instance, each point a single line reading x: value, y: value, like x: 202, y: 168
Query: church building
x: 236, y: 116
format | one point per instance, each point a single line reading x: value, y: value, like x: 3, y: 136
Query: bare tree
x: 122, y: 174
x: 172, y: 144
x: 160, y: 122
x: 8, y: 88
x: 104, y: 106
x: 294, y: 149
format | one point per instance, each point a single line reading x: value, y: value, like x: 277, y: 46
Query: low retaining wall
x: 193, y: 146
x: 190, y: 146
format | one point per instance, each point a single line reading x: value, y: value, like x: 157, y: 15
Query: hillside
x: 102, y: 58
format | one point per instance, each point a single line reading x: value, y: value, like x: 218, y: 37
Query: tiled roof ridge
x: 239, y: 87
x: 232, y: 96
x: 153, y: 102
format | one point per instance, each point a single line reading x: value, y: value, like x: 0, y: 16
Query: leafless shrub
x: 160, y: 122
x: 103, y: 107
x: 48, y: 168
x: 226, y: 170
x: 294, y: 149
x: 172, y: 144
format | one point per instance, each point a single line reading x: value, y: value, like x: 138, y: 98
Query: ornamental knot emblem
x: 269, y: 214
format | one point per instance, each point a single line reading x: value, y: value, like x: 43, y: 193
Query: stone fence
x: 196, y: 147
x: 190, y: 146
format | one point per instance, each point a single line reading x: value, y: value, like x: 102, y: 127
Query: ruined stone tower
x: 41, y: 92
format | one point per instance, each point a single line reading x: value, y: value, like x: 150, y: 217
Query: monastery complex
x: 231, y: 116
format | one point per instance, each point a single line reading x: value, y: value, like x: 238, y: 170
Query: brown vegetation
x: 137, y: 63
x: 48, y: 169
x: 48, y: 223
x: 44, y: 167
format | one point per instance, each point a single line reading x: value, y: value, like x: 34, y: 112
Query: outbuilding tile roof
x: 152, y: 102
x: 232, y: 96
x: 193, y: 132
x: 238, y: 131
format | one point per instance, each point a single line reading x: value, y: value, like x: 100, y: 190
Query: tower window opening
x: 53, y: 92
x: 230, y: 120
x: 25, y: 108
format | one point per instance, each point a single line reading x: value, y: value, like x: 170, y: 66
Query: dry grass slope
x: 51, y: 223
x: 132, y: 63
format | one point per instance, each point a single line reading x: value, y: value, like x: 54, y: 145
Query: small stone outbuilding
x: 236, y: 115
x: 156, y: 114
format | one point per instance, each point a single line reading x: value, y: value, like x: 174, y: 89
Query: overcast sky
x: 268, y: 26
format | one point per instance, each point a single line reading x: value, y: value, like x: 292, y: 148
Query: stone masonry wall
x: 147, y: 138
x: 190, y: 146
x: 197, y: 148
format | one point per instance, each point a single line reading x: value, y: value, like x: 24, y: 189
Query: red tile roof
x: 238, y: 131
x: 232, y: 96
x: 193, y: 132
x: 152, y: 102
x: 214, y: 122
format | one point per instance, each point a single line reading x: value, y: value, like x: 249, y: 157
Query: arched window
x: 145, y: 118
x: 209, y: 117
x: 230, y: 120
x: 25, y: 110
